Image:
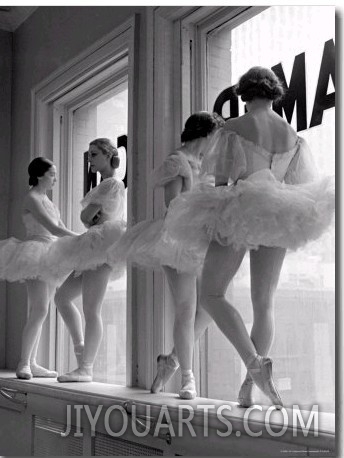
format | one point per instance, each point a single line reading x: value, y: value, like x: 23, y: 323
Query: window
x: 92, y: 95
x: 96, y: 108
x: 105, y: 116
x: 298, y: 43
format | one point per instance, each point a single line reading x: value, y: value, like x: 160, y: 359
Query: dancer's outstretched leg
x: 38, y: 293
x: 68, y: 291
x: 266, y: 264
x: 221, y: 264
x: 94, y: 284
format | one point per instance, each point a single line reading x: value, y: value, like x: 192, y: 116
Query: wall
x: 5, y: 155
x: 45, y: 42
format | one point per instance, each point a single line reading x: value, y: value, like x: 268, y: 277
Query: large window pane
x: 105, y: 116
x: 304, y: 345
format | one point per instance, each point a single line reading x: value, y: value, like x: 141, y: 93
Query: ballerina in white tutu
x: 146, y: 244
x: 26, y: 260
x: 274, y: 202
x: 103, y: 213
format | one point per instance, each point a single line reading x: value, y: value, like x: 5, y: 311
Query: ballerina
x: 86, y: 255
x: 146, y: 244
x: 26, y: 261
x: 274, y: 202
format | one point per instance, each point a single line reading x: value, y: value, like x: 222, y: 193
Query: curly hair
x: 259, y: 82
x: 37, y: 168
x: 107, y: 147
x: 198, y: 125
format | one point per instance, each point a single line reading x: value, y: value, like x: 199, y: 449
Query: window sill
x: 95, y: 394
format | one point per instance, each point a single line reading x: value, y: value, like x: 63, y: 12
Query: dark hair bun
x: 115, y: 162
x: 37, y: 168
x: 198, y: 125
x: 107, y: 147
x: 259, y: 82
x: 33, y: 181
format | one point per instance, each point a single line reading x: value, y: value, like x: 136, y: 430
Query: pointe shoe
x: 167, y: 366
x: 39, y: 371
x: 262, y: 377
x: 24, y: 372
x: 188, y: 389
x: 245, y: 394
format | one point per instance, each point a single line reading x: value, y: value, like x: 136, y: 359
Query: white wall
x: 5, y: 156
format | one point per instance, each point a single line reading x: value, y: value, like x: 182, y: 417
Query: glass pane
x: 304, y: 346
x: 104, y: 117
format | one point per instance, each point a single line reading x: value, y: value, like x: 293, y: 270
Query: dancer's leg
x: 266, y: 264
x: 184, y: 295
x: 202, y: 321
x: 220, y: 266
x: 68, y: 291
x: 38, y: 303
x: 94, y: 283
x: 183, y: 290
x: 168, y: 364
x: 36, y: 369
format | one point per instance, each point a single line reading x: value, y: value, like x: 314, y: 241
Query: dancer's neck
x: 259, y: 105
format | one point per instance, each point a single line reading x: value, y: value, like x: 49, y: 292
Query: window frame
x: 110, y: 80
x: 50, y: 101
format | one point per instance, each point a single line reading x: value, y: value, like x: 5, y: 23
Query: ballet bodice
x: 177, y: 164
x: 34, y: 229
x: 109, y: 194
x: 238, y: 158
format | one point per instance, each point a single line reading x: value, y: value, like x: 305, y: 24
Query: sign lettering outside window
x: 296, y: 93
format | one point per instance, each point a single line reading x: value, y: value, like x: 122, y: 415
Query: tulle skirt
x: 22, y: 260
x: 86, y: 251
x: 52, y: 259
x: 258, y: 211
x: 148, y: 245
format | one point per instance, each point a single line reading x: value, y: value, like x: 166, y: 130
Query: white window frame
x: 48, y: 139
x: 110, y: 80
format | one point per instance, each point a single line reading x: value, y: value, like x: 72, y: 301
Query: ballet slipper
x: 74, y: 376
x: 39, y: 371
x: 23, y: 371
x: 188, y: 389
x: 260, y: 370
x: 167, y: 366
x: 81, y: 374
x: 245, y: 394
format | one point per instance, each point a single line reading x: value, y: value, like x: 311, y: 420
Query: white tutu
x: 52, y: 259
x: 24, y: 260
x: 86, y: 251
x: 89, y: 250
x: 147, y: 245
x: 258, y: 211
